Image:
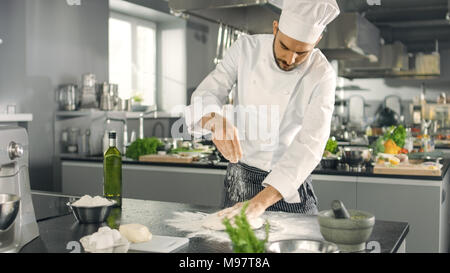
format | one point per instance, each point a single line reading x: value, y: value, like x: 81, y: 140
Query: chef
x: 282, y: 81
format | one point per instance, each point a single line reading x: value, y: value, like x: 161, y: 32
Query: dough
x: 135, y: 233
x: 214, y: 222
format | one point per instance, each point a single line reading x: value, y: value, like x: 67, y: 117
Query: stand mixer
x: 18, y: 224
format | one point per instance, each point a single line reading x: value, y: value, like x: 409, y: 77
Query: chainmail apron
x: 243, y: 182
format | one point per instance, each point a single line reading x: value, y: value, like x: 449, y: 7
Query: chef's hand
x: 224, y: 135
x: 256, y: 206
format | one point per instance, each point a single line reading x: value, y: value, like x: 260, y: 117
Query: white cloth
x: 303, y: 96
x: 305, y: 20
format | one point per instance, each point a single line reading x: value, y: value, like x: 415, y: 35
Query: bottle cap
x: 112, y: 134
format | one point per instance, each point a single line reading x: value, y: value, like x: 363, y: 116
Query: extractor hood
x: 395, y: 62
x: 393, y: 58
x: 351, y: 37
x: 252, y: 16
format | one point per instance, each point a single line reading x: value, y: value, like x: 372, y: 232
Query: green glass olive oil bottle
x: 112, y: 171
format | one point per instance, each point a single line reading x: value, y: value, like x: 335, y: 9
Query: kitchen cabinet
x: 334, y: 187
x: 421, y: 203
x: 199, y: 186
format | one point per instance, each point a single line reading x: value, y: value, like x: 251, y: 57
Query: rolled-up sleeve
x: 213, y: 91
x: 305, y: 152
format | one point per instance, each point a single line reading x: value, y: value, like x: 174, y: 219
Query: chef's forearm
x: 268, y: 196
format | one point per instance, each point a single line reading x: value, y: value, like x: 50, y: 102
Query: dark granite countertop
x: 319, y: 170
x: 58, y: 227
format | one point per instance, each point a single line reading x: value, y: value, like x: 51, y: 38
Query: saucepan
x: 355, y: 156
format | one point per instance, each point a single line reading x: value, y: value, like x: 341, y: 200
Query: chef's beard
x: 279, y: 61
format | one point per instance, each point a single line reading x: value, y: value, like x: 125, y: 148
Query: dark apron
x: 243, y: 182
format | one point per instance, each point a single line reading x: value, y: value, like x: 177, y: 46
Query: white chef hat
x: 305, y: 20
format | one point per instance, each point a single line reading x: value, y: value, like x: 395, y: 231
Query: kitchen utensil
x: 225, y: 39
x: 339, y: 210
x: 353, y: 156
x: 350, y: 235
x: 106, y: 100
x: 91, y: 215
x: 218, y: 57
x: 302, y: 246
x: 330, y: 162
x: 126, y: 105
x: 9, y: 207
x: 83, y: 143
x: 68, y: 97
x: 114, y: 93
x: 18, y: 224
x: 159, y: 244
x: 72, y: 144
x: 88, y: 91
x: 64, y: 140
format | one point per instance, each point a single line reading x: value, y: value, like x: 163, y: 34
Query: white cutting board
x: 160, y: 244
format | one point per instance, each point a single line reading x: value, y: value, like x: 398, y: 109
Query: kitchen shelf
x: 128, y: 115
x: 16, y: 117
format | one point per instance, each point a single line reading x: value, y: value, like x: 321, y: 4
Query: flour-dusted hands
x: 253, y: 211
x: 256, y: 206
x: 224, y: 135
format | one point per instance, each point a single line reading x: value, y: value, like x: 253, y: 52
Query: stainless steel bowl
x: 9, y: 207
x: 302, y: 246
x: 91, y: 215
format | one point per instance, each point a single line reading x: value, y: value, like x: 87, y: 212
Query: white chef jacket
x: 304, y: 98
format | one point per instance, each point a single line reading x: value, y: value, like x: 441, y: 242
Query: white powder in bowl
x: 88, y: 201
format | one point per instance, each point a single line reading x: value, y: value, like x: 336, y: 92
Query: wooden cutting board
x: 166, y: 158
x: 406, y: 169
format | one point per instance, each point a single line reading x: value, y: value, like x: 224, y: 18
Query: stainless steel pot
x: 355, y: 156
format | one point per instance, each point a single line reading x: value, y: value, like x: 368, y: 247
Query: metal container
x: 9, y: 207
x: 302, y: 246
x: 330, y: 162
x: 68, y: 97
x: 91, y: 215
x: 88, y: 92
x: 106, y: 100
x: 355, y: 156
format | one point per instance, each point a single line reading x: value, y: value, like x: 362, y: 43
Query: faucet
x: 150, y: 109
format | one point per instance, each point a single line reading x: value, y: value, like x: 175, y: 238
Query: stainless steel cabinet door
x: 334, y: 187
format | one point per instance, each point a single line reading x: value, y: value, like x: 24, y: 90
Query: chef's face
x: 289, y: 53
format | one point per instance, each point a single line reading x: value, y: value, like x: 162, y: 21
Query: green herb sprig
x: 144, y: 146
x: 242, y: 236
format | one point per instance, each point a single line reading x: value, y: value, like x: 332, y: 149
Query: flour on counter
x: 282, y: 226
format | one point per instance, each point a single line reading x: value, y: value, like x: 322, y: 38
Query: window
x: 132, y: 57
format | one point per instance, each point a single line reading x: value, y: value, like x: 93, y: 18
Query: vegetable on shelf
x: 242, y: 236
x: 144, y: 146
